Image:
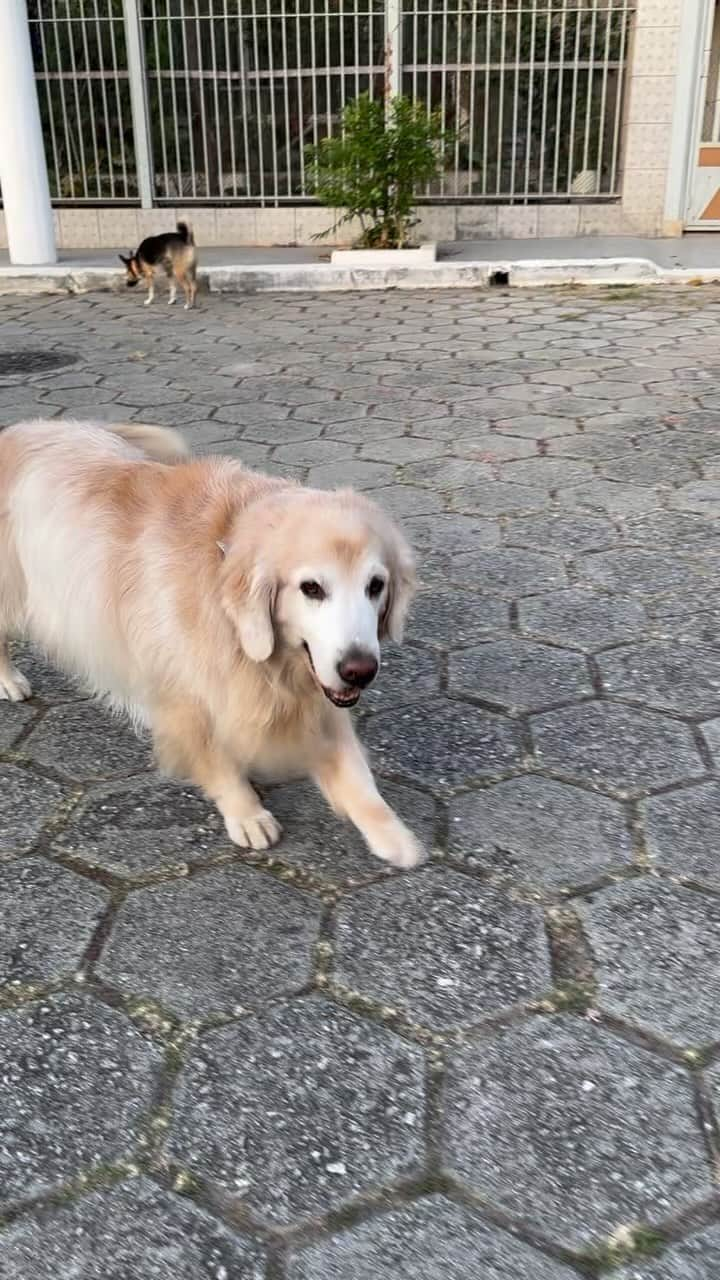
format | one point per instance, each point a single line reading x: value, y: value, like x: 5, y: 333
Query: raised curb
x: 324, y: 277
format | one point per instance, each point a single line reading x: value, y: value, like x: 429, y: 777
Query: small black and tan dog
x: 175, y: 254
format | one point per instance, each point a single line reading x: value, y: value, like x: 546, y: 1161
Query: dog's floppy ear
x: 401, y: 588
x: 248, y: 596
x: 125, y: 261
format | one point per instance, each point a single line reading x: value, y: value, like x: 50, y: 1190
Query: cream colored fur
x: 174, y: 588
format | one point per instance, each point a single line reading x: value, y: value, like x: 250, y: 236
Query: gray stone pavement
x: 301, y: 1066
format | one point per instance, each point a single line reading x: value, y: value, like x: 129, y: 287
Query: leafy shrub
x: 373, y: 168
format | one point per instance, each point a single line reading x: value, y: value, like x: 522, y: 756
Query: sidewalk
x: 299, y: 1065
x: 462, y: 264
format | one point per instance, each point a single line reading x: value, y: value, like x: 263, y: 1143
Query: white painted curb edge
x: 322, y: 276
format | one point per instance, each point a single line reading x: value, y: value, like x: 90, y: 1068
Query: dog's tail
x: 159, y: 444
x: 185, y: 232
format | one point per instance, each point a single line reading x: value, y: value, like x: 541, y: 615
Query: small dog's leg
x: 346, y: 781
x: 173, y: 294
x: 13, y: 685
x: 151, y: 294
x: 184, y: 746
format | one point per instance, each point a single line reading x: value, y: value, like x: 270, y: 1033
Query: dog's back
x: 170, y: 248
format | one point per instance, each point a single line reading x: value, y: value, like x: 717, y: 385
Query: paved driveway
x: 216, y: 1066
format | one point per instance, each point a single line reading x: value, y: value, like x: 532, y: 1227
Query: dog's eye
x: 376, y: 586
x: 312, y: 590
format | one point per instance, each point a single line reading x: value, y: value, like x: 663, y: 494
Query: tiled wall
x: 650, y: 104
x: 123, y: 229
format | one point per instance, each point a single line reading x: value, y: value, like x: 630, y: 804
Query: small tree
x: 374, y: 167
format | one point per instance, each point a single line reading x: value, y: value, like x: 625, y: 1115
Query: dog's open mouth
x: 338, y: 697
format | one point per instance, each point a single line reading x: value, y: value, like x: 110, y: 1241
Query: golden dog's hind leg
x: 184, y: 746
x: 346, y: 781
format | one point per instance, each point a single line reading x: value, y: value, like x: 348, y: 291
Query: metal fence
x: 216, y: 100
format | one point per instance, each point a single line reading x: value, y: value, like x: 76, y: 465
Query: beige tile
x: 603, y: 220
x: 558, y: 219
x: 644, y: 189
x: 651, y: 99
x: 518, y: 222
x: 345, y: 236
x: 435, y: 222
x: 78, y: 229
x: 275, y: 226
x: 477, y: 222
x: 237, y: 225
x: 154, y: 222
x: 119, y: 229
x: 658, y: 13
x: 655, y: 52
x: 646, y: 146
x: 203, y: 223
x: 311, y: 221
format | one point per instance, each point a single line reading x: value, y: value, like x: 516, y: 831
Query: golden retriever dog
x: 237, y: 616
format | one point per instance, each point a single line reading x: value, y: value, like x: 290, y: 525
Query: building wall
x: 645, y: 159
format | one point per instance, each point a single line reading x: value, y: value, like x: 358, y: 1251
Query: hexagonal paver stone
x: 673, y: 529
x: 583, y: 619
x: 14, y: 720
x: 657, y: 948
x: 670, y: 676
x: 681, y: 830
x: 539, y: 831
x: 214, y: 943
x: 48, y: 917
x: 615, y: 747
x: 445, y: 536
x: 636, y: 571
x: 697, y: 1258
x: 85, y: 743
x: 77, y: 1081
x: 406, y: 675
x: 549, y: 473
x: 702, y: 496
x: 572, y: 1130
x: 443, y: 743
x: 143, y: 827
x: 562, y: 533
x: 442, y: 949
x: 27, y: 802
x: 507, y: 572
x: 431, y: 1240
x: 519, y: 675
x: 454, y: 619
x: 317, y: 841
x: 608, y: 495
x: 537, y: 426
x: 498, y: 498
x: 326, y: 1106
x: 130, y: 1232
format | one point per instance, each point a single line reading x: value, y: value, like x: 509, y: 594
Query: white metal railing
x: 81, y: 69
x: 215, y: 100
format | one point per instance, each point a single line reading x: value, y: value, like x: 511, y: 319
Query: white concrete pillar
x: 23, y: 175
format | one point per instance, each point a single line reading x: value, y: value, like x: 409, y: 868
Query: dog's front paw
x: 258, y: 830
x: 14, y: 687
x: 397, y: 845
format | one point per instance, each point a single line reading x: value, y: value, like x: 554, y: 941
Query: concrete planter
x: 424, y: 256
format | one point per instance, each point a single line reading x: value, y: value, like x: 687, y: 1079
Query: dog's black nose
x: 357, y: 669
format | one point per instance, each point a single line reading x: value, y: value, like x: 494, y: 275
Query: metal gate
x: 170, y: 101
